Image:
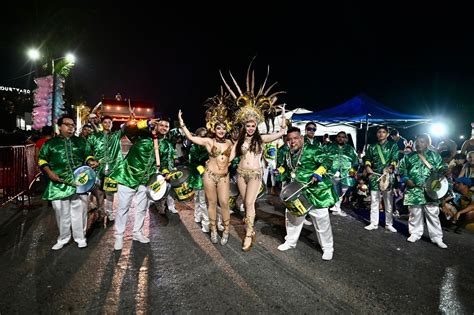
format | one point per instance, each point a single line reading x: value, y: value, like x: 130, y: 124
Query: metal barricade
x: 17, y: 170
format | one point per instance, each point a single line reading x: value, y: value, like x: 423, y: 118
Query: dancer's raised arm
x: 189, y: 135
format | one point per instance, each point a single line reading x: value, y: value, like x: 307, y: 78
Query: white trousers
x: 322, y: 225
x: 200, y: 207
x: 71, y: 213
x: 375, y: 203
x: 341, y: 191
x: 415, y: 222
x: 125, y: 195
x: 269, y: 169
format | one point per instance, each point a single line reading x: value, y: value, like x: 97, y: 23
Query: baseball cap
x: 464, y: 180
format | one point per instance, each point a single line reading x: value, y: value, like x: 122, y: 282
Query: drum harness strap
x: 425, y: 161
x: 157, y: 152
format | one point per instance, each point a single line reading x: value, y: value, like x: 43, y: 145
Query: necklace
x: 223, y: 140
x: 289, y: 161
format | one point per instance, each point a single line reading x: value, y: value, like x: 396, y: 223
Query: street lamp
x: 33, y: 54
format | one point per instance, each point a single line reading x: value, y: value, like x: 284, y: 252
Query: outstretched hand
x: 180, y: 118
x: 283, y: 120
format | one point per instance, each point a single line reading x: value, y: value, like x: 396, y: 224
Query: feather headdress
x: 251, y: 104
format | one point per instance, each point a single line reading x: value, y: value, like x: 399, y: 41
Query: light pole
x: 69, y: 60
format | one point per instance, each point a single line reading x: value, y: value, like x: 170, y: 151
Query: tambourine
x: 85, y: 179
x: 436, y: 186
x: 157, y: 187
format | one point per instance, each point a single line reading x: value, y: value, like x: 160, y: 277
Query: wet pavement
x: 180, y: 271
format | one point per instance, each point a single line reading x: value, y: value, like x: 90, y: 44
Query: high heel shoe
x: 249, y: 238
x: 248, y: 242
x: 213, y: 229
x: 225, y: 234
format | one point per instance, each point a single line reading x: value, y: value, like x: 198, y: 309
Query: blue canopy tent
x: 362, y: 110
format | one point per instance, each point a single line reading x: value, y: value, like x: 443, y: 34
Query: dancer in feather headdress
x: 251, y: 106
x: 216, y: 172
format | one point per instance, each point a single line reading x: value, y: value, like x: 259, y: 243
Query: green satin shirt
x: 140, y: 165
x: 281, y: 155
x: 412, y: 167
x: 320, y: 194
x: 107, y: 149
x: 343, y: 160
x: 372, y: 157
x: 63, y: 156
x: 198, y: 156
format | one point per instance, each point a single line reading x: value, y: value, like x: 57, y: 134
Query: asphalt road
x: 180, y: 271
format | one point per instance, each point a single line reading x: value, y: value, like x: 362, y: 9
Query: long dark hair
x: 255, y: 143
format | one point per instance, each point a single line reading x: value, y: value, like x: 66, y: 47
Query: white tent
x: 331, y: 129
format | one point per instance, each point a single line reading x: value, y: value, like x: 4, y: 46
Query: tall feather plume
x: 268, y: 90
x: 235, y: 82
x: 264, y: 82
x: 227, y: 86
x: 248, y: 74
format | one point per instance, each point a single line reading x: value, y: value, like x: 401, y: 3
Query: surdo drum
x: 294, y: 199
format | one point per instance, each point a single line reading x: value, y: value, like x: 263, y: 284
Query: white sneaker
x: 371, y: 227
x: 307, y: 222
x: 220, y: 227
x: 141, y: 238
x: 173, y: 210
x: 82, y: 244
x: 118, y: 243
x: 205, y: 228
x: 390, y: 228
x: 197, y: 219
x: 327, y: 255
x: 242, y: 208
x: 412, y: 238
x: 283, y: 247
x: 340, y: 213
x: 440, y: 243
x: 57, y: 246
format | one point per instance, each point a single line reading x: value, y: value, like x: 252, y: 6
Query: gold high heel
x: 249, y: 238
x: 225, y: 234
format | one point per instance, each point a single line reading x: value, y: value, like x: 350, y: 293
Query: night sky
x: 417, y: 60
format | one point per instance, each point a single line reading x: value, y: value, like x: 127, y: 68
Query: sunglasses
x: 311, y: 129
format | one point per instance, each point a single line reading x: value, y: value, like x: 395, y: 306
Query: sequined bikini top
x: 216, y: 152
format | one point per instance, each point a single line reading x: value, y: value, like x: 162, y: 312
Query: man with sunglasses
x: 310, y: 135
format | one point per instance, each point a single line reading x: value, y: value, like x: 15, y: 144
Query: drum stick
x: 302, y: 187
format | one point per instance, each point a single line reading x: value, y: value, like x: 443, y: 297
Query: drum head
x: 85, y: 179
x: 157, y: 188
x: 436, y: 186
x: 180, y: 176
x: 289, y: 191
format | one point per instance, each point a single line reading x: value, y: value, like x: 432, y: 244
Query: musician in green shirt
x: 58, y: 158
x: 343, y: 169
x: 306, y: 163
x: 106, y: 147
x: 415, y: 169
x: 134, y: 172
x: 379, y: 158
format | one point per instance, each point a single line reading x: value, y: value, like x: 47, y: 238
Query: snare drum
x: 179, y: 183
x: 157, y: 187
x: 85, y: 179
x: 294, y: 201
